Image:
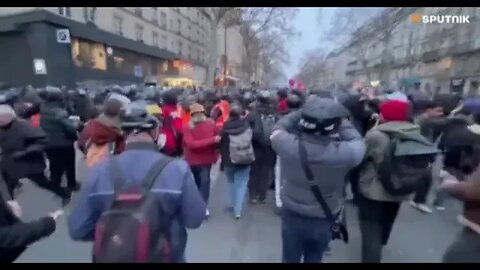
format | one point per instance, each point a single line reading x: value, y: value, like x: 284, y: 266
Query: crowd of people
x: 151, y: 156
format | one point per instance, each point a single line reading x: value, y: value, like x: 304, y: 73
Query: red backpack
x: 135, y: 229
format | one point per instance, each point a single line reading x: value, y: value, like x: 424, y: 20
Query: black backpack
x: 407, y: 162
x: 135, y: 229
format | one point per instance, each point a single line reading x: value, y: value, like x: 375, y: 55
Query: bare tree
x: 385, y: 23
x: 312, y: 68
x: 265, y: 32
x: 348, y: 30
x: 217, y: 15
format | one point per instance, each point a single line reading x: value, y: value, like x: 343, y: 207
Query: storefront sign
x: 138, y: 71
x: 457, y: 82
x: 63, y: 36
x: 39, y: 66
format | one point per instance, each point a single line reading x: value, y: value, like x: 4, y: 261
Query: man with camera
x: 317, y: 147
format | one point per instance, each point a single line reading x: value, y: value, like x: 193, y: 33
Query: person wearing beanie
x: 22, y: 154
x: 394, y: 110
x: 378, y: 208
x: 200, y: 139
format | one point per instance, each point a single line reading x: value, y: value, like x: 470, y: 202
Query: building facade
x: 439, y: 57
x: 107, y: 43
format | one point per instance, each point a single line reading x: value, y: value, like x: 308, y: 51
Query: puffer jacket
x: 377, y: 143
x: 22, y: 149
x: 60, y: 130
x: 330, y: 160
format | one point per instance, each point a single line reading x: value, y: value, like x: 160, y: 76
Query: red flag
x: 291, y: 82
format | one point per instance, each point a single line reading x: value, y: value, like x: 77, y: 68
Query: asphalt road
x: 416, y: 237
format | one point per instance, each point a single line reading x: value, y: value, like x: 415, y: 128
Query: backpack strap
x: 311, y: 181
x: 116, y: 174
x: 150, y: 177
x: 155, y: 171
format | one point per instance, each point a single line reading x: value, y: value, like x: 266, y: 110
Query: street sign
x: 138, y: 71
x: 63, y: 36
x: 39, y: 66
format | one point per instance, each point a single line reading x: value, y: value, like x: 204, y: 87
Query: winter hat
x: 196, y: 108
x: 121, y: 98
x: 7, y: 114
x: 395, y: 110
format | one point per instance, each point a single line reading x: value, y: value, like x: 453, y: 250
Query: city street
x: 255, y: 237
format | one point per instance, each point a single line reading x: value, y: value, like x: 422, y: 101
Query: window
x: 139, y: 32
x: 118, y: 25
x: 163, y: 20
x: 155, y: 15
x: 138, y: 12
x: 164, y: 42
x: 180, y: 45
x: 190, y: 52
x: 89, y: 14
x: 197, y: 36
x: 65, y: 11
x: 179, y: 26
x: 87, y: 54
x: 155, y: 38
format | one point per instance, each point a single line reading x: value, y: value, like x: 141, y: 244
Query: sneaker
x: 207, y: 214
x: 253, y: 201
x: 440, y: 208
x: 421, y: 207
x: 66, y: 200
x: 237, y: 217
x: 76, y: 187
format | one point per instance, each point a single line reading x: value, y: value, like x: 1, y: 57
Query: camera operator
x: 317, y: 147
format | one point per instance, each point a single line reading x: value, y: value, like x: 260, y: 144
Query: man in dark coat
x: 22, y: 153
x: 62, y: 134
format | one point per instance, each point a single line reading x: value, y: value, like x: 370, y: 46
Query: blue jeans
x: 238, y: 182
x: 201, y: 173
x: 304, y: 237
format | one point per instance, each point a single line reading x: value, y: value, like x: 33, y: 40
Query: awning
x: 410, y: 81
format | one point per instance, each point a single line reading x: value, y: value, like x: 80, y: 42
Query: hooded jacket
x: 175, y: 188
x: 377, y: 143
x: 22, y: 149
x: 231, y: 127
x: 329, y: 159
x: 60, y: 130
x: 172, y: 129
x: 102, y: 130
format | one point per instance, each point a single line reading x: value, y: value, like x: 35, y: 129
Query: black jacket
x: 22, y: 149
x: 231, y: 127
x: 15, y: 235
x: 60, y: 130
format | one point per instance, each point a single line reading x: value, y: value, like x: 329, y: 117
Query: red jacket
x: 199, y: 143
x: 172, y: 128
x: 282, y: 106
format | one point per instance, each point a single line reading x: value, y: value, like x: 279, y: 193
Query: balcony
x: 431, y: 56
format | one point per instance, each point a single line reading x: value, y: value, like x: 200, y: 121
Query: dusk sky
x: 306, y: 22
